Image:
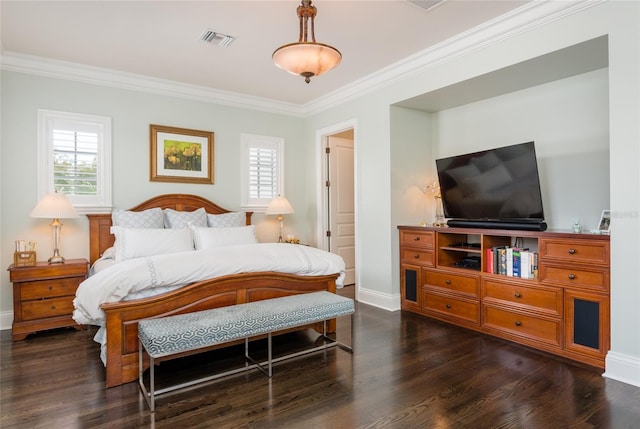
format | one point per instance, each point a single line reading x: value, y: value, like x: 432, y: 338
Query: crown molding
x: 57, y: 69
x: 521, y: 20
x: 526, y: 18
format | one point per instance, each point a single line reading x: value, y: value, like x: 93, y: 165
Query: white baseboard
x: 623, y: 368
x: 6, y: 319
x: 382, y: 300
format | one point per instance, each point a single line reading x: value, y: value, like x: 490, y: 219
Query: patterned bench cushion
x: 175, y: 334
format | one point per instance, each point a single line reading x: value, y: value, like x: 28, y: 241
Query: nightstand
x: 43, y: 296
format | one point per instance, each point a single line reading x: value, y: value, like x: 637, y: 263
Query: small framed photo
x: 180, y: 155
x: 605, y: 222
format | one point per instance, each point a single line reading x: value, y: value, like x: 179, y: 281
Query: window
x: 74, y: 158
x: 262, y: 169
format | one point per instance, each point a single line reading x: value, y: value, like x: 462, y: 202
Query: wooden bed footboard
x: 122, y: 317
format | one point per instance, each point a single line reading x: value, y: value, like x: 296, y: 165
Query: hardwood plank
x: 408, y: 371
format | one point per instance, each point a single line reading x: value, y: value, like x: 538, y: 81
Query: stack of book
x: 512, y: 261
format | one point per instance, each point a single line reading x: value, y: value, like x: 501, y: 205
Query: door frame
x: 322, y: 225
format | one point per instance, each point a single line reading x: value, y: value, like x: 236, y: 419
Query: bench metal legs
x: 250, y: 363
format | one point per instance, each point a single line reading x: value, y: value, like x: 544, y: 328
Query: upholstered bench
x: 168, y: 336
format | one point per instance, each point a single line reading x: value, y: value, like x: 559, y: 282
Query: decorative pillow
x: 226, y: 220
x: 209, y: 238
x: 139, y: 242
x: 151, y: 218
x: 176, y: 219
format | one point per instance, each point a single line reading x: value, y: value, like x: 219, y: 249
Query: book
x: 515, y: 263
x: 525, y: 264
x: 489, y: 264
x: 509, y: 261
x: 502, y: 258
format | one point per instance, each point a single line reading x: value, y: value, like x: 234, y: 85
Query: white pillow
x: 226, y: 220
x: 139, y: 242
x: 151, y: 218
x: 209, y: 238
x: 177, y: 219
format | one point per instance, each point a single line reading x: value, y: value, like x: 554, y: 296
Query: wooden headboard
x: 100, y: 237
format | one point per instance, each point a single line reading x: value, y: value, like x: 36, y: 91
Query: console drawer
x: 541, y: 299
x: 451, y: 308
x: 572, y: 251
x: 458, y: 283
x: 527, y: 326
x: 579, y: 277
x: 417, y: 256
x: 422, y: 239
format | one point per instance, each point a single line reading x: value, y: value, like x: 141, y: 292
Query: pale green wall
x: 131, y: 114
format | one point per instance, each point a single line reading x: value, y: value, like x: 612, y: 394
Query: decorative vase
x: 439, y: 221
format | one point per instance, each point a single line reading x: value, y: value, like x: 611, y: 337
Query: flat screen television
x: 495, y: 188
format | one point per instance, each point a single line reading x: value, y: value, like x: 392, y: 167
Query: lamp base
x: 56, y: 258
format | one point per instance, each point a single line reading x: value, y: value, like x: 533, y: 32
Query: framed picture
x: 605, y: 222
x: 181, y: 155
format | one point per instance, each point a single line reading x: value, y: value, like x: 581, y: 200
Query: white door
x: 340, y: 189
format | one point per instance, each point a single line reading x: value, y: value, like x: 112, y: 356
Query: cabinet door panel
x: 586, y: 323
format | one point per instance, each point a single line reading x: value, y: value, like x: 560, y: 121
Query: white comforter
x: 160, y: 273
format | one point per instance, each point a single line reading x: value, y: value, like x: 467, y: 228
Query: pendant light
x: 306, y: 58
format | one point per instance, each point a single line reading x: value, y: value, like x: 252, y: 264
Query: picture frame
x: 605, y: 222
x: 181, y: 155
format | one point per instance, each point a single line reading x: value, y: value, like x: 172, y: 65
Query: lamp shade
x: 307, y: 59
x: 54, y: 206
x: 279, y: 206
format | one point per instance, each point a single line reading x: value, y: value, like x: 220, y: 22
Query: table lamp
x: 279, y: 206
x: 56, y: 206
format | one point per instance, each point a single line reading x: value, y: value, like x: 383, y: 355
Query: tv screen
x: 499, y: 185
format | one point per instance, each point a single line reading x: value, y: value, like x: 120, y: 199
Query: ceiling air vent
x: 426, y: 4
x: 216, y: 38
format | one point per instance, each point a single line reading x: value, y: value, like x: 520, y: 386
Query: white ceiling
x: 161, y: 39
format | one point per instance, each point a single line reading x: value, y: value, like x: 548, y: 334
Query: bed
x: 121, y: 318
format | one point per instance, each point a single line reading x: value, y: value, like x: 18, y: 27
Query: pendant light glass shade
x: 306, y: 58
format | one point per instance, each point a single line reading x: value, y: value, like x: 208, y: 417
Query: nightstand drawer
x: 43, y: 308
x: 51, y: 288
x: 534, y: 328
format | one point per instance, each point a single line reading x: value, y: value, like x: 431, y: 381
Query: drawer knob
x: 50, y: 287
x: 53, y: 307
x: 518, y: 323
x: 447, y: 281
x: 416, y: 238
x: 517, y: 295
x: 416, y: 256
x: 448, y: 305
x: 572, y: 251
x: 571, y: 276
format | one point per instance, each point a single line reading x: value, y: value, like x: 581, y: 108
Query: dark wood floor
x: 407, y: 372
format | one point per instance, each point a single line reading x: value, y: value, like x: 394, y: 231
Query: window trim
x: 84, y: 204
x: 247, y: 141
